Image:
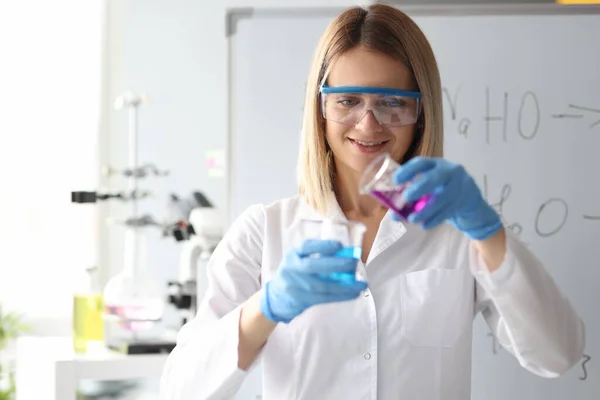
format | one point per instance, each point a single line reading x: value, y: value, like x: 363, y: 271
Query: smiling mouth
x: 369, y: 144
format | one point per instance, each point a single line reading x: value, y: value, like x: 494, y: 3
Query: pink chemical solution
x: 394, y: 201
x: 134, y: 318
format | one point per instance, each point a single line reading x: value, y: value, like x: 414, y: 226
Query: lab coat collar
x: 388, y: 233
x: 333, y: 212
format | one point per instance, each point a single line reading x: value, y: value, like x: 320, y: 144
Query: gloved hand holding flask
x: 429, y: 191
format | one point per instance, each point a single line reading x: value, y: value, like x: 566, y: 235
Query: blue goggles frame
x: 325, y: 89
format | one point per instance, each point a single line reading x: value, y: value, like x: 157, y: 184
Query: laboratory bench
x: 49, y: 369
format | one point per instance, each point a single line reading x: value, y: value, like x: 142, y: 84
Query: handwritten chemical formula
x: 553, y: 213
x: 550, y: 217
x: 529, y: 105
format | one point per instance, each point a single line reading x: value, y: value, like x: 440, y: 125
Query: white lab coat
x: 407, y: 337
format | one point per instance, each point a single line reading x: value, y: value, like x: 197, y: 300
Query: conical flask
x: 133, y: 299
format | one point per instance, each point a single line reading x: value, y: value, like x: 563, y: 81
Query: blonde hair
x: 381, y: 28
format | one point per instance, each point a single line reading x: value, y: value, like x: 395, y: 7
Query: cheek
x: 403, y: 138
x: 335, y: 134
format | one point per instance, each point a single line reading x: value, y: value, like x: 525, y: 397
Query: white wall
x: 49, y: 93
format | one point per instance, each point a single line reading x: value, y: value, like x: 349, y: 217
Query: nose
x: 367, y: 122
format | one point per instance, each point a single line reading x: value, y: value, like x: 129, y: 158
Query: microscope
x: 200, y: 233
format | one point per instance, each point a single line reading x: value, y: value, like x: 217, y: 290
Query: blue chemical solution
x: 350, y: 252
x: 346, y: 277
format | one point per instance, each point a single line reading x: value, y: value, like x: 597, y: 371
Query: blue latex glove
x: 457, y: 199
x: 301, y: 281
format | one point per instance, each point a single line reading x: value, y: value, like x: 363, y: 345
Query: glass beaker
x: 348, y: 233
x: 377, y: 181
x: 133, y: 298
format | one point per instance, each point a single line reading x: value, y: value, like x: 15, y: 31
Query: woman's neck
x: 354, y: 204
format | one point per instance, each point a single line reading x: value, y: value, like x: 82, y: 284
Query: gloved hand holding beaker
x: 320, y: 269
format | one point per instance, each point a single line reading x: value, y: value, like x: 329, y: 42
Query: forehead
x: 364, y: 67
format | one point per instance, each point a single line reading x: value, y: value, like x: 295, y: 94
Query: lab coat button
x: 367, y: 356
x: 366, y: 293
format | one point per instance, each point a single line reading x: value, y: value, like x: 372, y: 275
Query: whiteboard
x: 522, y: 113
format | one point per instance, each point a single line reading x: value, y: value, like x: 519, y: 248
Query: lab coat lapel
x: 388, y: 233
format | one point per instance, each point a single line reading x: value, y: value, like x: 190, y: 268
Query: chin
x: 360, y: 163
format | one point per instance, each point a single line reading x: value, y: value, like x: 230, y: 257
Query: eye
x: 395, y: 103
x: 347, y: 102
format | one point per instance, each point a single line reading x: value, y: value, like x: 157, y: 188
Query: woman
x: 408, y: 334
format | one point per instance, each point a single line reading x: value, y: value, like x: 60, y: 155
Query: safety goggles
x: 349, y: 104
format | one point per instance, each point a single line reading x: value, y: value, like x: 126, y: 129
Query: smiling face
x: 354, y: 146
x: 372, y: 46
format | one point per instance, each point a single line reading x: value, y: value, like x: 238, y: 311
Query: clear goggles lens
x: 349, y: 104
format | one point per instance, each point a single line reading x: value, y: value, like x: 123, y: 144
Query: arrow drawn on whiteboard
x: 592, y: 217
x: 579, y: 108
x: 567, y: 115
x: 582, y: 108
x: 589, y: 109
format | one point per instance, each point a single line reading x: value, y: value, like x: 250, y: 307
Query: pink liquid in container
x: 377, y: 181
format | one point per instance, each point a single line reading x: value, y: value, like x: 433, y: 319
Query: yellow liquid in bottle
x: 87, y: 321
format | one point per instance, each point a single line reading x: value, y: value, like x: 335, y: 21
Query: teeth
x: 369, y: 143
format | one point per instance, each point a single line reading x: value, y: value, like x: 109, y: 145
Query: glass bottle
x: 88, y: 326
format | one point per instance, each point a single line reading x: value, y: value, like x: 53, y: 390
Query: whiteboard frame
x: 234, y: 14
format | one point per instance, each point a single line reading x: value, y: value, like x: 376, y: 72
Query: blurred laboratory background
x: 132, y: 132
